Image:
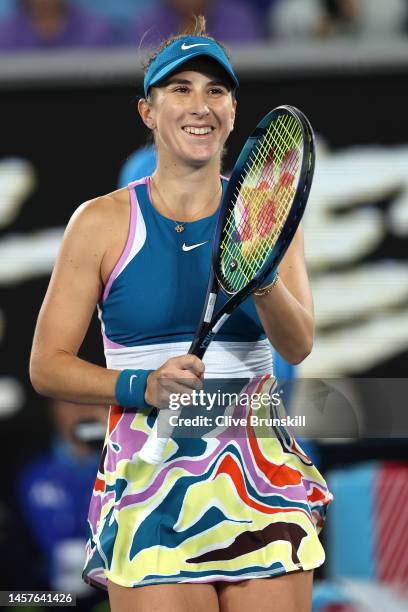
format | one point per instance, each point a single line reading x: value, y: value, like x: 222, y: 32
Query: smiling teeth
x: 198, y: 131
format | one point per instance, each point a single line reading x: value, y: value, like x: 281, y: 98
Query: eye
x: 217, y: 91
x: 181, y: 89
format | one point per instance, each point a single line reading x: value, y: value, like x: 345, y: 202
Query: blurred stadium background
x: 69, y: 124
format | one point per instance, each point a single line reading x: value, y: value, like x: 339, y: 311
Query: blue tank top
x: 156, y: 292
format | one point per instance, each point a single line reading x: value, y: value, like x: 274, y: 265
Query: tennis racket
x: 259, y: 215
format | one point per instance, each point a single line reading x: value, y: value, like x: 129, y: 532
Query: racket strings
x: 261, y: 202
x: 274, y: 142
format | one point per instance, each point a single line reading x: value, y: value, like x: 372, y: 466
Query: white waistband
x: 222, y: 359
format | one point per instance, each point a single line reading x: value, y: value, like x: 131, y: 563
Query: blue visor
x: 182, y: 50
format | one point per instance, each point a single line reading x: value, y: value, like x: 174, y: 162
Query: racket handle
x: 195, y: 348
x: 202, y: 341
x: 153, y: 449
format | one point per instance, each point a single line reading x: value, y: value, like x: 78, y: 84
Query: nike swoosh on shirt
x: 190, y: 247
x: 185, y: 47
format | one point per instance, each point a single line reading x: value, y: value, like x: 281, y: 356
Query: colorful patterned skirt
x: 222, y: 508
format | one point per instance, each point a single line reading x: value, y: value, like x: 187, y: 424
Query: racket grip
x: 153, y: 449
x: 195, y: 348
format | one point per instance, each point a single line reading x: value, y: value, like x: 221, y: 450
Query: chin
x: 198, y: 162
x: 203, y: 157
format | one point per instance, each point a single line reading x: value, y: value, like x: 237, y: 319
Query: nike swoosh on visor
x: 186, y: 47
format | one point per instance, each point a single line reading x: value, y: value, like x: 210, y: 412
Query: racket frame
x: 210, y: 324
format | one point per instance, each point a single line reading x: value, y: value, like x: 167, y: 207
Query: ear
x: 233, y: 114
x: 146, y: 112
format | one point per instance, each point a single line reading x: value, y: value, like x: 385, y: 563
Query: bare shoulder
x: 102, y: 212
x: 100, y: 224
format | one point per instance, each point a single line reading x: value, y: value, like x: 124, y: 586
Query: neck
x: 186, y: 195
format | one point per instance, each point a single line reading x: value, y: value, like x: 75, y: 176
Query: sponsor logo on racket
x: 186, y: 47
x: 207, y: 339
x: 190, y: 247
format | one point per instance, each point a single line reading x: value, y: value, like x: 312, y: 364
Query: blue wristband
x: 130, y: 388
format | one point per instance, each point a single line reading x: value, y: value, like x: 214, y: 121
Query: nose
x: 199, y: 106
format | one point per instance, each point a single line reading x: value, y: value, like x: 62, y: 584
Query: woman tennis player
x: 222, y: 523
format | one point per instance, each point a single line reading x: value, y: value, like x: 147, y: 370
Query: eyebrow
x: 178, y: 81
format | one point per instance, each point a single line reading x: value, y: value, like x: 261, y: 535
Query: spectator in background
x: 43, y: 24
x: 231, y: 21
x: 139, y: 164
x: 295, y: 19
x: 338, y: 17
x: 328, y: 18
x: 367, y: 17
x: 262, y: 6
x: 119, y: 12
x: 6, y: 8
x: 53, y: 493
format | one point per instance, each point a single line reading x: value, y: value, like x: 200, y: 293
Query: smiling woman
x: 207, y: 528
x: 192, y: 112
x: 191, y: 116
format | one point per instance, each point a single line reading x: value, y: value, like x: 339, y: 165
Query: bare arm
x: 74, y: 290
x: 286, y: 313
x: 64, y: 318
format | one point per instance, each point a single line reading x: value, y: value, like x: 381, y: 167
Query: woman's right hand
x: 178, y: 375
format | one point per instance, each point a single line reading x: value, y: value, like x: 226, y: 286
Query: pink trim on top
x: 109, y: 344
x: 130, y: 239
